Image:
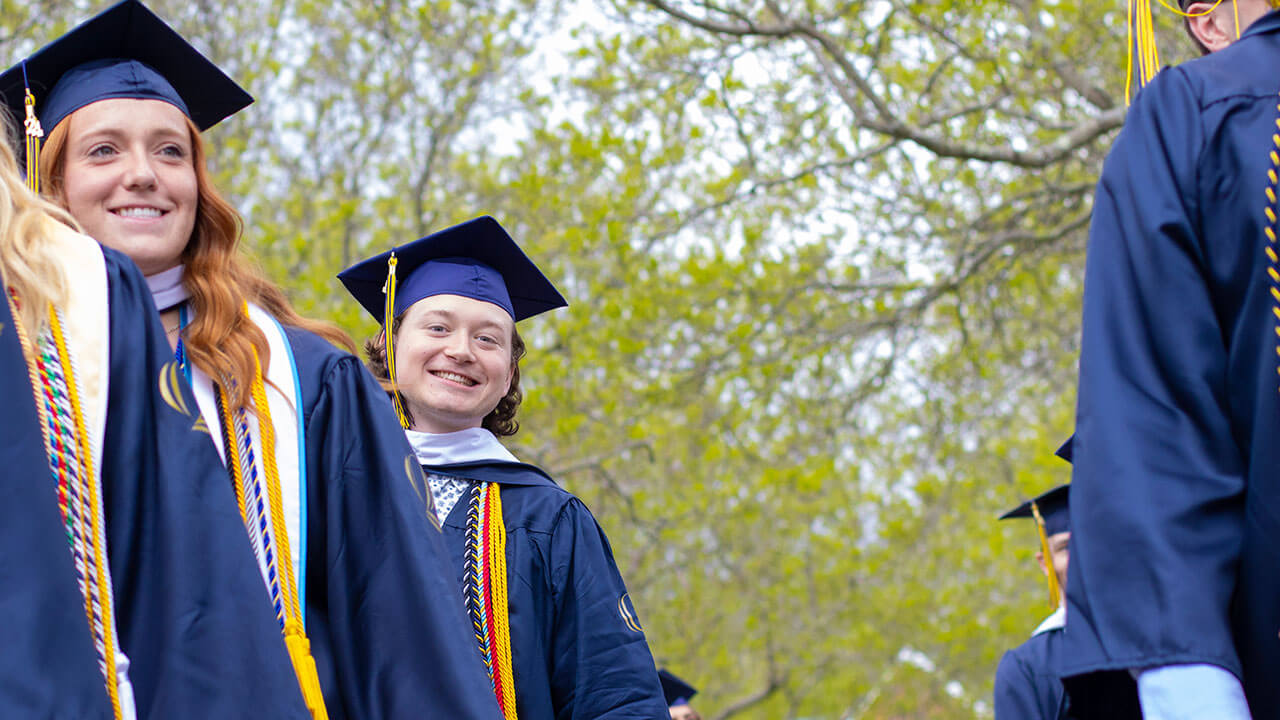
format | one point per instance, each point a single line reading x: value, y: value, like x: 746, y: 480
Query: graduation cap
x: 125, y: 51
x: 677, y: 691
x: 1051, y: 511
x: 475, y: 259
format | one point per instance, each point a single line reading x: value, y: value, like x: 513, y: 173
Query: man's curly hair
x: 501, y: 422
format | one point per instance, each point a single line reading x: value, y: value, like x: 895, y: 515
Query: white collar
x: 167, y: 289
x: 1056, y: 621
x: 470, y: 445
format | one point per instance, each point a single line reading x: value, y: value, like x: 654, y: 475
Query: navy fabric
x: 104, y: 79
x: 68, y: 73
x: 1027, y: 687
x: 383, y: 612
x: 1175, y: 489
x: 453, y: 276
x: 674, y: 689
x: 576, y: 652
x: 1054, y: 507
x: 191, y: 612
x: 498, y: 271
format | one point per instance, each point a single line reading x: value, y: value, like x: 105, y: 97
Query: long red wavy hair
x: 220, y: 340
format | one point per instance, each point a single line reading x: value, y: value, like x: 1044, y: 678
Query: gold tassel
x: 33, y: 133
x: 388, y: 316
x: 305, y: 667
x: 1055, y: 594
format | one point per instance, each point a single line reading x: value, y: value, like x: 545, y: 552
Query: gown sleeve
x: 399, y: 644
x: 193, y: 615
x: 601, y: 666
x: 1157, y: 469
x: 1015, y: 691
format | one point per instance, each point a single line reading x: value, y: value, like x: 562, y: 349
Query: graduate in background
x: 548, y: 607
x: 1027, y: 686
x: 121, y: 594
x: 678, y: 693
x: 1176, y: 494
x: 360, y: 582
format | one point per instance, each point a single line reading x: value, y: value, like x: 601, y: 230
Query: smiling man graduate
x: 548, y: 608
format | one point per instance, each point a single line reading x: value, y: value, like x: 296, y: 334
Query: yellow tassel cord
x: 1055, y: 594
x: 1142, y: 39
x: 502, y: 666
x: 95, y: 535
x: 295, y: 638
x: 388, y: 316
x: 33, y: 132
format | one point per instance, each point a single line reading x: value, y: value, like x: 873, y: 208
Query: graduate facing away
x: 548, y: 608
x: 1175, y: 495
x: 359, y: 581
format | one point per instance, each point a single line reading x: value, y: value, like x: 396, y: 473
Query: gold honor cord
x: 33, y: 133
x: 388, y: 316
x: 295, y: 637
x: 1055, y: 594
x: 502, y: 665
x: 1142, y: 37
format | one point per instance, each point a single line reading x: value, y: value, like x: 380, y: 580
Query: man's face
x: 1059, y: 556
x: 453, y: 361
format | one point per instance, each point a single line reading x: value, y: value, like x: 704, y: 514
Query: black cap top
x: 1053, y: 506
x: 125, y: 51
x: 677, y: 691
x: 475, y: 259
x: 1064, y: 452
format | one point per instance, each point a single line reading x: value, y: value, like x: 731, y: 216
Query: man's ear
x: 1213, y: 27
x: 1040, y: 559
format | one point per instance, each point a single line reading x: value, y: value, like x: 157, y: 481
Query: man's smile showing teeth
x: 455, y: 377
x: 139, y: 212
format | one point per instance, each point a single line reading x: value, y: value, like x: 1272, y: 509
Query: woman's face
x: 453, y: 361
x: 130, y: 179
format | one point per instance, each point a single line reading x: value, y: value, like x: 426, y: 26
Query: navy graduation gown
x: 196, y: 627
x: 574, y: 654
x: 1027, y: 684
x: 1175, y: 495
x: 383, y: 614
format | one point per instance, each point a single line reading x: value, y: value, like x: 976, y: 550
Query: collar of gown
x: 1056, y: 621
x: 167, y: 289
x: 470, y: 445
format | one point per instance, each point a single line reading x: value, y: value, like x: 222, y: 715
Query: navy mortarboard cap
x: 125, y: 51
x: 1052, y: 516
x: 677, y: 691
x: 1052, y: 506
x: 1064, y: 452
x: 475, y: 259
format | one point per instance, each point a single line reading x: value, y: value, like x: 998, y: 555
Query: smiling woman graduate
x: 123, y: 593
x: 360, y: 583
x: 549, y: 610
